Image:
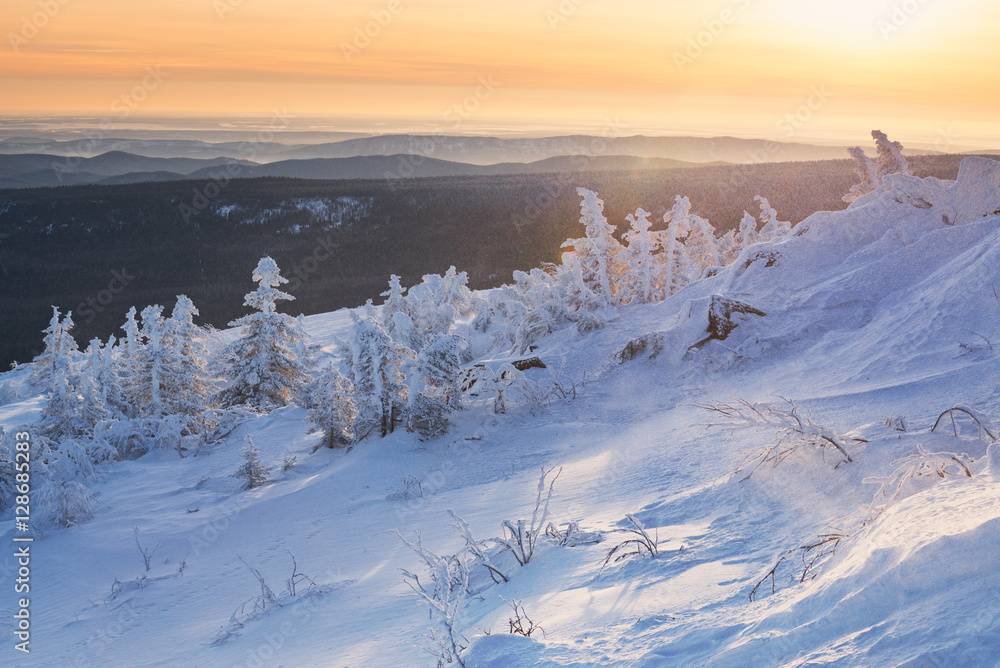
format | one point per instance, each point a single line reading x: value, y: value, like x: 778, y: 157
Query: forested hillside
x: 200, y: 238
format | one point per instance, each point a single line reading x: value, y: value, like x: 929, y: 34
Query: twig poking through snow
x: 791, y: 428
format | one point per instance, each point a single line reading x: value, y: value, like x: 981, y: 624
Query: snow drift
x: 874, y: 321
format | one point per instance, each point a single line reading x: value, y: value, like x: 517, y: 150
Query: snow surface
x: 888, y: 309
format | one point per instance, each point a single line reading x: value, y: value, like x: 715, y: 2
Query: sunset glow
x: 731, y: 66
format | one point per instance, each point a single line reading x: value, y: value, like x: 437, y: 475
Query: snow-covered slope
x: 877, y: 319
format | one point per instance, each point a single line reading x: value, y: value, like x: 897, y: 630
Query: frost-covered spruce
x: 94, y: 386
x: 599, y: 252
x: 643, y: 279
x: 376, y: 364
x: 62, y: 414
x: 771, y: 228
x: 60, y: 348
x: 155, y: 371
x: 436, y: 390
x: 867, y: 173
x: 395, y: 301
x: 189, y: 384
x: 672, y: 256
x: 890, y: 158
x: 252, y: 470
x: 733, y: 243
x: 262, y: 366
x: 700, y: 246
x: 128, y: 361
x: 334, y: 411
x: 433, y: 306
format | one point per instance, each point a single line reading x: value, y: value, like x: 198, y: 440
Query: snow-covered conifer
x: 734, y: 241
x: 94, y: 407
x: 263, y: 367
x: 643, y: 281
x: 433, y: 306
x: 395, y: 301
x: 62, y: 414
x: 129, y: 360
x: 890, y: 158
x: 599, y: 252
x: 60, y: 348
x: 672, y: 256
x: 334, y: 411
x: 109, y: 378
x: 771, y: 227
x: 376, y: 363
x: 252, y: 470
x: 436, y: 390
x: 700, y: 247
x: 154, y: 365
x: 866, y: 171
x: 188, y: 384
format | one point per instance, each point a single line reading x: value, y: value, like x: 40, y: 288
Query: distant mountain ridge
x: 31, y: 170
x: 475, y: 150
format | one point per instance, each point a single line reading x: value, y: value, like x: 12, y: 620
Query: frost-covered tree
x: 129, y: 361
x: 867, y: 173
x: 734, y: 241
x: 673, y: 257
x: 579, y: 297
x: 436, y: 390
x: 262, y: 366
x: 94, y: 405
x: 60, y: 348
x: 598, y: 252
x: 334, y: 411
x: 395, y: 301
x: 890, y: 158
x: 700, y: 246
x: 156, y: 368
x: 62, y: 415
x: 188, y: 384
x: 108, y: 376
x: 771, y: 228
x: 252, y: 470
x: 433, y: 306
x: 643, y: 281
x: 376, y: 364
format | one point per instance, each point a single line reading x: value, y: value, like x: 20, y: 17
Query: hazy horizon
x: 800, y: 71
x: 313, y: 130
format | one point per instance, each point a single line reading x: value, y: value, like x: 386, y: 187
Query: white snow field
x: 878, y: 319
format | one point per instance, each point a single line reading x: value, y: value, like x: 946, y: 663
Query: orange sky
x: 927, y: 69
